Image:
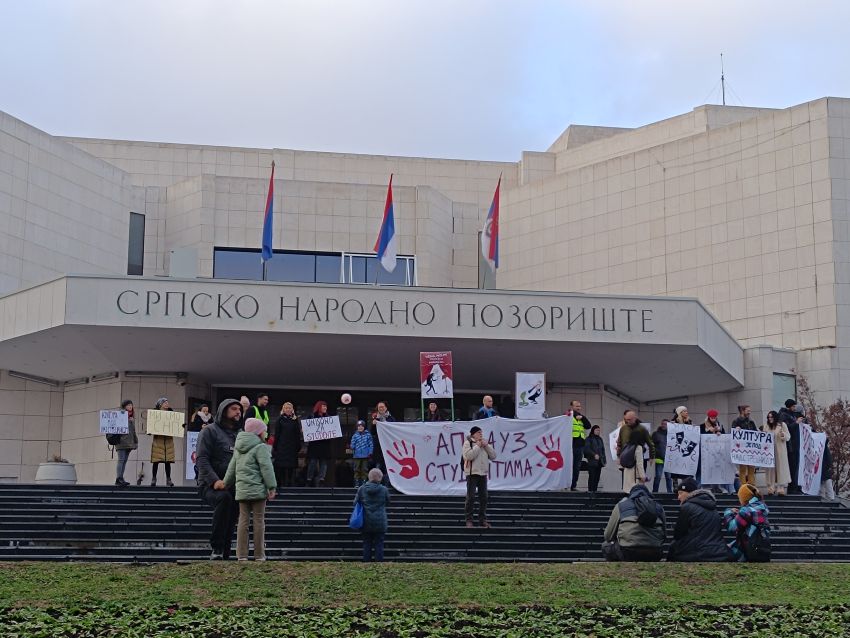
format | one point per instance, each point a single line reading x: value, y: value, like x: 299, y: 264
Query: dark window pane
x: 237, y: 264
x: 291, y: 267
x: 136, y: 246
x: 328, y: 269
x: 358, y: 270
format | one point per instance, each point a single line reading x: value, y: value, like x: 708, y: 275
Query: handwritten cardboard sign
x: 165, y: 423
x: 114, y: 422
x: 326, y: 427
x: 752, y: 447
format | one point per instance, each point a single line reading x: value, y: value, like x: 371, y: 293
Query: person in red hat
x: 713, y: 426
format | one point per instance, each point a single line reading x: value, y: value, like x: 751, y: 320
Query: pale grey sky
x: 443, y: 78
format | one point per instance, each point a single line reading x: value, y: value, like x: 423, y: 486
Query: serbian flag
x: 490, y: 234
x: 267, y: 221
x: 386, y: 246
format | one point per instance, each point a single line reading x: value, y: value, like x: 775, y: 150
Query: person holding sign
x: 162, y: 449
x: 747, y: 473
x: 778, y: 476
x: 318, y: 451
x: 126, y: 443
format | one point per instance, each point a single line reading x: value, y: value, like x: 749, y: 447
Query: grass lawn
x: 218, y: 600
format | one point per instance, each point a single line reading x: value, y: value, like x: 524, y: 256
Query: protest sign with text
x: 752, y: 447
x: 165, y: 423
x: 319, y: 429
x: 435, y: 375
x: 114, y: 422
x: 425, y: 458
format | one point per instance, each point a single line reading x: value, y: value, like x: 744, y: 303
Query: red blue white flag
x: 386, y: 246
x: 267, y: 221
x: 490, y: 234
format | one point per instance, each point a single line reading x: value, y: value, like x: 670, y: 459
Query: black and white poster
x: 682, y: 455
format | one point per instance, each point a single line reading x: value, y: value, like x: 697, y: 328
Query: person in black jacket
x: 791, y: 417
x: 698, y: 536
x: 213, y: 454
x: 286, y: 445
x: 594, y: 452
x: 433, y: 413
x: 319, y: 452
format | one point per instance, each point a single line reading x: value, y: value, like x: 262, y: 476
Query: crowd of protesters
x: 244, y: 456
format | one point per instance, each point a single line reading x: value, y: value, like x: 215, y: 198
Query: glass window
x: 136, y: 245
x: 784, y: 388
x: 366, y: 269
x: 237, y: 264
x: 292, y: 267
x: 328, y: 269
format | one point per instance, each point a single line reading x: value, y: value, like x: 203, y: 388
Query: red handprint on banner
x: 406, y: 459
x: 552, y: 451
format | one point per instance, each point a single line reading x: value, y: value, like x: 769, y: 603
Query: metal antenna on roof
x: 722, y: 81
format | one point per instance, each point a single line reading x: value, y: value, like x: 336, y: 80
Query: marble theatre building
x: 699, y: 260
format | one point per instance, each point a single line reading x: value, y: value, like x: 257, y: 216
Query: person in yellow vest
x: 260, y: 409
x: 580, y: 427
x: 162, y: 449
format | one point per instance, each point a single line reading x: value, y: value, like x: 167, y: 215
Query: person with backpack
x: 251, y: 470
x: 697, y: 536
x: 636, y: 529
x: 632, y: 440
x: 750, y: 525
x: 124, y: 443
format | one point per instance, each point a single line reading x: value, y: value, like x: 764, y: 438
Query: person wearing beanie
x: 697, y: 536
x: 162, y: 449
x: 252, y: 472
x: 213, y: 454
x: 750, y: 525
x: 126, y: 443
x: 712, y: 425
x: 477, y: 454
x: 361, y: 447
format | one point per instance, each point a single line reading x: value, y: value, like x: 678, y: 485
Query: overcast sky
x: 440, y: 78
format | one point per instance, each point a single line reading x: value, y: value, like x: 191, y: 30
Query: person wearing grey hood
x: 213, y: 453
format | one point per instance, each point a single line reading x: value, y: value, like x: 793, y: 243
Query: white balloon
x: 345, y: 398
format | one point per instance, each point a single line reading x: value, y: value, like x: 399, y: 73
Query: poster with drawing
x: 612, y: 441
x: 682, y: 454
x: 715, y: 454
x: 530, y: 395
x: 811, y: 457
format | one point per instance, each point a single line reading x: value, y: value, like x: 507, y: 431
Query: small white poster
x: 114, y: 422
x: 326, y: 427
x: 715, y: 454
x: 682, y: 454
x: 530, y: 395
x: 191, y: 454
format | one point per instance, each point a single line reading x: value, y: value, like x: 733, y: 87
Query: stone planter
x: 56, y: 474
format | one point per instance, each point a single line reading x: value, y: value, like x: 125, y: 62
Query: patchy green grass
x: 394, y: 600
x: 418, y: 584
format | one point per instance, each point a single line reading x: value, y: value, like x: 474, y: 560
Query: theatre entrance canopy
x: 334, y: 336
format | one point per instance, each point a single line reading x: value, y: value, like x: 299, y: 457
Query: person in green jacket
x: 252, y: 471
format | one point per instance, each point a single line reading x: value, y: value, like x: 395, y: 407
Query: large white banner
x: 425, y: 458
x: 811, y: 460
x: 752, y: 447
x: 612, y: 441
x: 682, y: 454
x: 530, y: 395
x: 191, y: 454
x: 326, y: 427
x: 715, y: 452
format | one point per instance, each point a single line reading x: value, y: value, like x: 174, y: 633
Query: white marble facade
x: 744, y: 208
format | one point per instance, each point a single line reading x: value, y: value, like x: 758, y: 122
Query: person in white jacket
x: 477, y: 454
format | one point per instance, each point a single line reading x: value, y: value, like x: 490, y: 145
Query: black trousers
x: 225, y: 515
x: 474, y: 483
x: 593, y: 474
x: 285, y: 476
x: 578, y: 455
